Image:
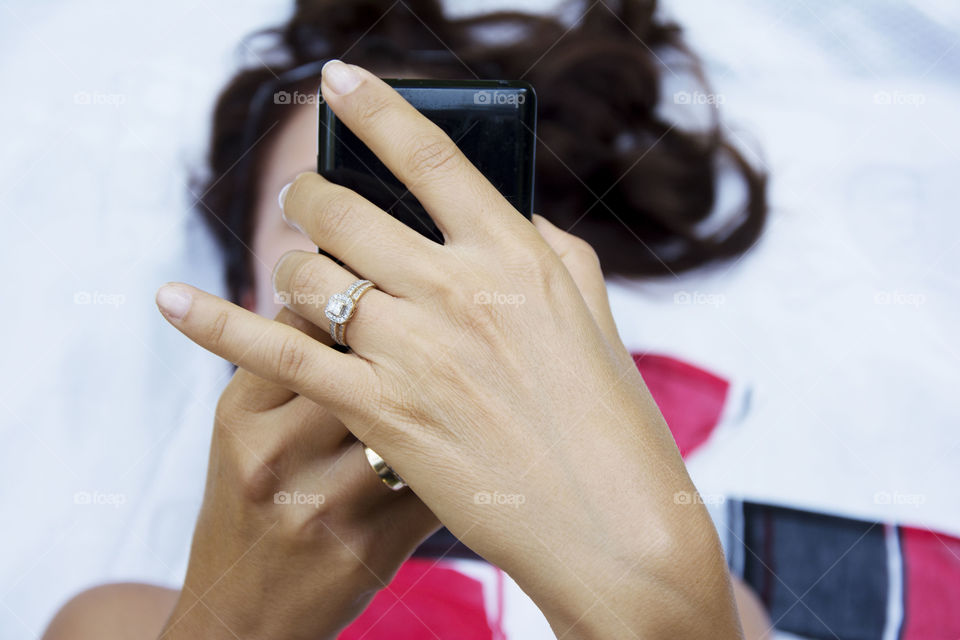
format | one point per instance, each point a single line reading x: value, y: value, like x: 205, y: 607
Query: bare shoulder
x: 753, y: 617
x: 114, y: 612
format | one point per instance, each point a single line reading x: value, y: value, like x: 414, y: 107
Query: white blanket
x: 838, y: 324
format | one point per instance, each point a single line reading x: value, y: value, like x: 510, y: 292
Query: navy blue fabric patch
x: 819, y: 576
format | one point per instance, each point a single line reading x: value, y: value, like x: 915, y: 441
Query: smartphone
x: 493, y: 122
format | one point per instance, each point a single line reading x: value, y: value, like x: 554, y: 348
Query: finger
x: 581, y: 261
x: 317, y: 332
x: 366, y: 238
x: 461, y: 201
x: 408, y: 517
x: 268, y: 349
x: 257, y: 395
x: 316, y: 430
x: 370, y: 489
x: 305, y: 282
x: 299, y: 436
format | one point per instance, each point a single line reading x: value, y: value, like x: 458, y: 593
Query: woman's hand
x: 488, y: 372
x: 296, y: 534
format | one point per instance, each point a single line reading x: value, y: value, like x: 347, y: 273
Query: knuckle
x: 446, y: 284
x: 338, y: 209
x: 257, y: 481
x: 311, y: 514
x: 370, y: 109
x: 546, y: 264
x: 546, y: 274
x: 436, y: 154
x: 304, y: 277
x: 550, y: 273
x: 484, y: 320
x: 321, y: 522
x: 459, y: 290
x: 218, y: 328
x: 248, y: 465
x: 473, y: 307
x: 582, y: 253
x: 291, y: 360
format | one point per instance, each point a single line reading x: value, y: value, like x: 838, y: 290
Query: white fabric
x: 842, y: 322
x: 101, y: 401
x: 106, y: 107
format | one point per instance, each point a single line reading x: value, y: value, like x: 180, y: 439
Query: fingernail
x: 283, y: 213
x: 174, y: 301
x: 340, y: 77
x: 276, y: 269
x: 283, y: 195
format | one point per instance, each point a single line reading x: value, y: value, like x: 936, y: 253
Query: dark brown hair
x: 610, y: 167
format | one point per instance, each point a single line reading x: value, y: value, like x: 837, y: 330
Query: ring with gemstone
x: 341, y: 307
x: 386, y: 473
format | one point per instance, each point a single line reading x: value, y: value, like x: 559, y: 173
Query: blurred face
x: 293, y: 150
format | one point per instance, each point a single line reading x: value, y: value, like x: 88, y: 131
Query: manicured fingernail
x: 174, y: 301
x: 283, y: 195
x: 283, y: 212
x: 276, y: 269
x: 340, y: 77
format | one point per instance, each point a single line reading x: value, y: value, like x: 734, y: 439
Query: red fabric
x: 426, y: 599
x: 931, y: 577
x: 690, y: 399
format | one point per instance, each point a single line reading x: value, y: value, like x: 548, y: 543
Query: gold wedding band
x: 383, y: 470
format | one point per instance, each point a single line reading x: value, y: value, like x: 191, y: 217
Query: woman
x: 461, y: 400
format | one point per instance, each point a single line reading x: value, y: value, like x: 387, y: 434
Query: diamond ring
x: 341, y: 307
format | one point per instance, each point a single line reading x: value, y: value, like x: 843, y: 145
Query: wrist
x: 636, y: 556
x: 199, y: 619
x: 677, y: 587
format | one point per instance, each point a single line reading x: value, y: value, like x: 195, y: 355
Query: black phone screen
x: 492, y: 122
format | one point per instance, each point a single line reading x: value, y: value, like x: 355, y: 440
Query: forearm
x: 192, y: 619
x: 198, y: 619
x: 266, y: 589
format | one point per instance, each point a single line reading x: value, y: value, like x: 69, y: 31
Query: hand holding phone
x: 492, y: 121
